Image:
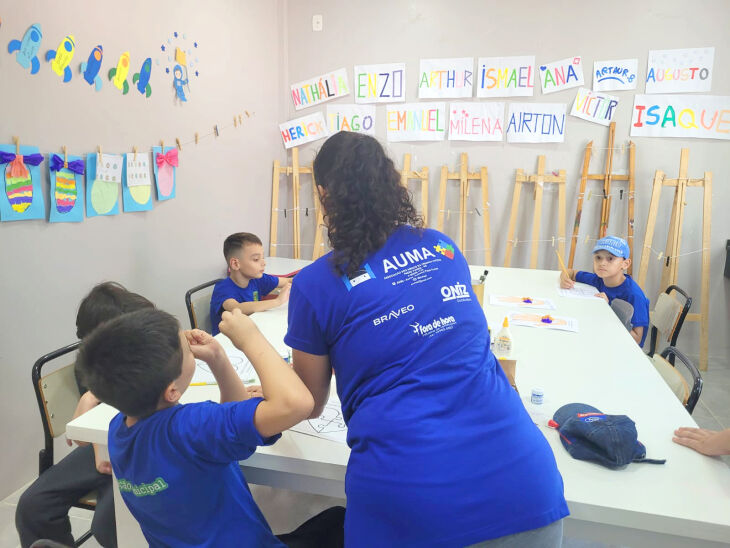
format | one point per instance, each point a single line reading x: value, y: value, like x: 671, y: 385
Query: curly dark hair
x: 364, y: 201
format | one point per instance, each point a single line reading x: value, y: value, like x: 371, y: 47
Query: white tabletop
x: 689, y: 496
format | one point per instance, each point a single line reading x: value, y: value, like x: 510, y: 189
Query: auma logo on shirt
x: 143, y: 489
x: 436, y: 326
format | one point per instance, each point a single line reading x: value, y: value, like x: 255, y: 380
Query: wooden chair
x: 197, y: 301
x: 675, y: 380
x: 668, y: 317
x: 57, y: 395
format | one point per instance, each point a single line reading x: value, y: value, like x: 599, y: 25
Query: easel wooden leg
x: 274, y: 207
x: 606, y: 204
x: 579, y: 207
x: 561, y: 218
x: 650, y: 226
x: 442, y: 198
x: 485, y: 218
x: 705, y: 290
x: 537, y: 216
x: 513, y: 219
x: 630, y: 227
x: 295, y: 194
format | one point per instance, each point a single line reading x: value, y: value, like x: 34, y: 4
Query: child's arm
x: 316, y: 374
x: 567, y: 282
x: 103, y: 466
x: 249, y: 307
x: 284, y: 281
x: 206, y: 348
x: 86, y: 402
x: 637, y: 333
x: 288, y: 401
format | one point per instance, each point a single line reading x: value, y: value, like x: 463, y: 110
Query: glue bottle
x: 503, y: 342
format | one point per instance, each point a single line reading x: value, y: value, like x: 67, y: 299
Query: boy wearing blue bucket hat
x: 611, y: 258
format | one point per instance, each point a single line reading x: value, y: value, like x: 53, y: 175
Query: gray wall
x: 223, y: 184
x: 382, y: 31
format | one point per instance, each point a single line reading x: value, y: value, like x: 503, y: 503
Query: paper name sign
x: 476, y: 121
x: 416, y: 122
x: 559, y: 75
x: 303, y: 130
x: 536, y: 123
x: 380, y: 83
x: 320, y: 89
x: 446, y: 78
x: 110, y: 168
x: 357, y: 118
x: 138, y: 171
x: 679, y: 70
x: 506, y: 76
x: 615, y: 75
x: 594, y: 106
x: 698, y: 116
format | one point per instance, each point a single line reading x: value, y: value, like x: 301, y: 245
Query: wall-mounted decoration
x: 319, y: 89
x: 22, y: 199
x: 118, y: 75
x: 679, y: 70
x: 536, y: 123
x: 61, y: 57
x: 103, y: 177
x: 472, y: 121
x: 698, y: 116
x: 142, y: 78
x: 615, y: 75
x: 594, y: 106
x: 179, y: 56
x: 439, y: 78
x: 560, y: 75
x: 357, y: 118
x: 416, y: 122
x: 66, y: 177
x: 136, y: 183
x: 380, y: 83
x: 303, y: 130
x: 27, y: 48
x: 506, y: 76
x: 90, y: 69
x: 166, y: 162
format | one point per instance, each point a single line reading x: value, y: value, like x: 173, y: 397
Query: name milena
x: 404, y: 259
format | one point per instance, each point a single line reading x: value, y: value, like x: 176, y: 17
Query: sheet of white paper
x: 330, y: 425
x: 559, y: 75
x: 138, y: 170
x: 617, y: 74
x: 240, y: 363
x: 506, y: 76
x: 472, y: 121
x: 684, y: 116
x: 536, y: 123
x: 679, y: 70
x: 535, y: 319
x: 440, y: 78
x: 579, y: 291
x: 521, y: 302
x: 110, y: 168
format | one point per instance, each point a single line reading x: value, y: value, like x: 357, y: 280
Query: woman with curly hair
x: 443, y: 452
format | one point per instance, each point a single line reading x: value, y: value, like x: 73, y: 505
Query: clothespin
x: 196, y: 137
x: 65, y: 157
x: 215, y: 130
x: 235, y: 121
x: 553, y: 241
x: 99, y: 153
x: 285, y: 213
x: 514, y: 243
x: 659, y: 257
x: 16, y: 140
x: 177, y: 140
x: 134, y: 149
x: 475, y: 209
x: 240, y: 119
x: 162, y: 144
x: 623, y: 148
x: 621, y: 194
x: 306, y: 212
x: 247, y: 114
x: 586, y: 240
x: 588, y: 198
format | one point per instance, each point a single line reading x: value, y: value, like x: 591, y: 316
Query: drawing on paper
x: 330, y: 421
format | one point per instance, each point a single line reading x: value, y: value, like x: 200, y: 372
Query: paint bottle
x: 503, y: 342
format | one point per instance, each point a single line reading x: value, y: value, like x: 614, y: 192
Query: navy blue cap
x: 609, y: 440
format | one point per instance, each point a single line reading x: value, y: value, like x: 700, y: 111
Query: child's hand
x: 255, y: 391
x: 236, y: 326
x: 204, y: 346
x: 284, y: 294
x: 565, y: 281
x: 707, y: 442
x: 602, y: 295
x: 103, y: 466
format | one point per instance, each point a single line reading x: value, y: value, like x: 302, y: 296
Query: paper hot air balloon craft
x: 22, y: 198
x: 27, y: 48
x: 66, y: 184
x: 166, y: 162
x: 136, y: 182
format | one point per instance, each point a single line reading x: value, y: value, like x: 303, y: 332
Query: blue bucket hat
x: 614, y: 245
x: 609, y: 440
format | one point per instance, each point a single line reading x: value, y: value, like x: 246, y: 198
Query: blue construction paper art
x: 165, y: 165
x: 90, y: 69
x: 142, y: 78
x: 66, y: 189
x: 27, y: 48
x: 102, y: 184
x: 136, y: 182
x: 21, y: 198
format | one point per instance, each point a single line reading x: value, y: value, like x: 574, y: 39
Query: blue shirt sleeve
x: 267, y: 283
x: 304, y: 332
x: 221, y: 433
x: 587, y: 278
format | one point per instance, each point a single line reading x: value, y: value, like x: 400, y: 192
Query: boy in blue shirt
x: 246, y: 284
x: 177, y: 465
x: 610, y: 260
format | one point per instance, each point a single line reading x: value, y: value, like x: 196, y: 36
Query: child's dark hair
x: 105, y: 301
x: 364, y: 200
x: 237, y: 241
x: 128, y: 362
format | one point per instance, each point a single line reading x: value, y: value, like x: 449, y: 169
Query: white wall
x: 382, y: 31
x: 222, y: 185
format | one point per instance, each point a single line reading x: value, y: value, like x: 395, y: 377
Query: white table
x: 685, y: 502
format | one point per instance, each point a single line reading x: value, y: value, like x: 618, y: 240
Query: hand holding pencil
x: 566, y: 280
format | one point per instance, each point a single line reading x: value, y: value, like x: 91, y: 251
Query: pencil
x: 562, y: 264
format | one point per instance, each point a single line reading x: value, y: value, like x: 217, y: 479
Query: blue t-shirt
x: 628, y: 291
x: 179, y: 476
x: 256, y: 290
x: 443, y: 451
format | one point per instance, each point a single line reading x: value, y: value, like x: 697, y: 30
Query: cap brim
x: 571, y: 410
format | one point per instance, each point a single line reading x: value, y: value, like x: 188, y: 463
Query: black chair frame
x: 189, y: 304
x: 669, y: 353
x: 677, y: 327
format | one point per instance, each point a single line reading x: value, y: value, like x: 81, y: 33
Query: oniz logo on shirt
x: 457, y: 292
x: 362, y: 275
x: 393, y: 314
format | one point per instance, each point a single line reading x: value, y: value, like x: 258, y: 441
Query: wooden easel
x: 674, y: 241
x: 464, y: 176
x: 538, y: 179
x: 295, y: 170
x: 406, y: 174
x: 607, y: 177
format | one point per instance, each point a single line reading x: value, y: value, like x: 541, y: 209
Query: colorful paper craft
x: 27, y: 48
x: 118, y: 75
x: 62, y: 56
x: 136, y: 182
x: 521, y: 302
x: 102, y: 192
x: 303, y: 130
x: 22, y: 199
x: 90, y: 69
x: 142, y: 78
x: 66, y: 189
x: 165, y: 166
x: 544, y: 321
